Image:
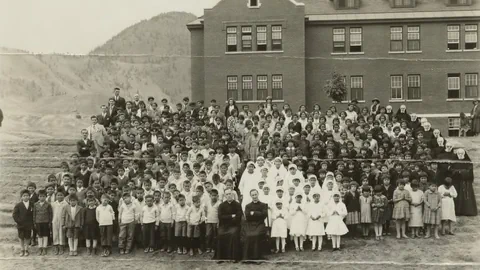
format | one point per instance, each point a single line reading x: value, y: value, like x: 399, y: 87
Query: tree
x: 335, y: 87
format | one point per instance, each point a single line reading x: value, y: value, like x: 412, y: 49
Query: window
x: 403, y: 3
x: 232, y: 87
x: 276, y: 38
x: 277, y: 87
x: 356, y: 87
x: 262, y: 87
x: 247, y: 88
x: 261, y: 38
x: 471, y: 36
x: 355, y: 39
x: 396, y: 38
x: 453, y: 126
x: 413, y: 38
x: 453, y: 86
x: 414, y: 90
x: 231, y: 39
x: 453, y: 32
x: 346, y: 3
x: 338, y: 39
x: 471, y: 85
x: 246, y: 38
x: 396, y: 86
x: 253, y: 3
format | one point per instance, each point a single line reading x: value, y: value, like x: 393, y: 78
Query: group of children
x: 157, y: 180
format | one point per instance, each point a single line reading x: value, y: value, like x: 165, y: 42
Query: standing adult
x: 85, y: 145
x: 228, y: 237
x: 375, y: 108
x: 253, y: 230
x: 97, y: 132
x: 119, y: 101
x: 475, y: 115
x: 231, y: 105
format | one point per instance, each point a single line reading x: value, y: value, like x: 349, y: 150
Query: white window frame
x: 453, y: 84
x: 247, y: 38
x: 396, y: 36
x: 414, y: 81
x: 471, y: 36
x: 453, y: 36
x: 471, y: 81
x: 413, y: 35
x: 356, y: 82
x: 277, y: 85
x: 262, y: 37
x: 277, y: 37
x: 232, y: 86
x: 396, y: 85
x: 232, y: 39
x: 339, y: 39
x: 356, y: 38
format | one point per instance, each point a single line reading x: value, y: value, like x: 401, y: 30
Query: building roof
x: 324, y: 10
x: 324, y: 7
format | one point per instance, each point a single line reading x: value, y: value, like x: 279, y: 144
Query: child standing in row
x: 23, y: 216
x: 416, y: 209
x: 401, y: 209
x: 335, y: 227
x: 105, y: 218
x: 211, y: 220
x: 90, y: 228
x: 126, y: 219
x: 298, y: 223
x: 58, y: 233
x: 448, y: 193
x: 352, y: 202
x: 365, y: 210
x: 379, y: 203
x: 73, y: 222
x: 42, y: 218
x: 195, y: 216
x: 279, y: 225
x: 315, y: 226
x: 432, y: 214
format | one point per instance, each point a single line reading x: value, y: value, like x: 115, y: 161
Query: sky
x: 78, y: 26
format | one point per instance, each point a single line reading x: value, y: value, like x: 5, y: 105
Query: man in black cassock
x: 228, y: 237
x: 254, y: 230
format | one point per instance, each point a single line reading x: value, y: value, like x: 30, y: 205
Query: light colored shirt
x: 27, y: 204
x: 127, y: 213
x: 181, y: 213
x: 73, y: 209
x: 195, y: 215
x: 211, y: 212
x: 105, y: 215
x: 166, y: 212
x: 150, y: 214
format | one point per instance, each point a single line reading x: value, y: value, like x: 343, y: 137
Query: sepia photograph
x: 239, y: 134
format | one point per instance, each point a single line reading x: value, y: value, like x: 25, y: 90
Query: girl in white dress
x: 336, y: 228
x: 279, y: 225
x: 292, y: 174
x: 277, y: 170
x: 248, y: 182
x: 315, y: 227
x: 298, y: 223
x: 448, y: 193
x: 416, y: 211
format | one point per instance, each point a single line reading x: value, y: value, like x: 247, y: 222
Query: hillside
x: 62, y: 84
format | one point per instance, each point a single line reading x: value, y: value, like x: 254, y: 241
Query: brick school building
x: 421, y: 53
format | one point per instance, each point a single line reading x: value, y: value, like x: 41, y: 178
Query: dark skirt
x: 43, y: 229
x: 91, y: 231
x: 73, y: 233
x: 228, y: 243
x: 465, y: 203
x: 378, y: 216
x: 254, y: 235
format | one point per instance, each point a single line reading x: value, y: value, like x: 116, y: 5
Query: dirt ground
x: 29, y: 156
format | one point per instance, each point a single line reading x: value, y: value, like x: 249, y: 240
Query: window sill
x: 396, y: 52
x: 413, y: 52
x: 454, y: 99
x: 396, y: 100
x: 413, y: 100
x: 338, y: 53
x: 255, y: 7
x: 472, y: 50
x: 347, y: 102
x: 253, y: 52
x: 356, y: 53
x: 258, y: 101
x: 470, y: 99
x: 453, y: 51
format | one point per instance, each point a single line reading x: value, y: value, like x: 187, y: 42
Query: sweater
x: 42, y: 213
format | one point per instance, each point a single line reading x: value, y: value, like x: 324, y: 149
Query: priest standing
x: 228, y: 237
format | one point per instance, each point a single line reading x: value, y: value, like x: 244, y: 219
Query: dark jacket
x: 23, y: 216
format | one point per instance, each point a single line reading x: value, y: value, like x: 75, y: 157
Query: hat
x: 279, y: 189
x: 376, y: 99
x: 279, y: 202
x: 251, y: 163
x: 292, y: 166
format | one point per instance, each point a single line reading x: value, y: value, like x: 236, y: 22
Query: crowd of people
x: 239, y: 182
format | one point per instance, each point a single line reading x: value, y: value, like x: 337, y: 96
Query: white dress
x: 298, y: 219
x: 335, y: 225
x: 416, y: 213
x: 326, y: 198
x: 279, y: 225
x: 315, y: 227
x: 448, y: 205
